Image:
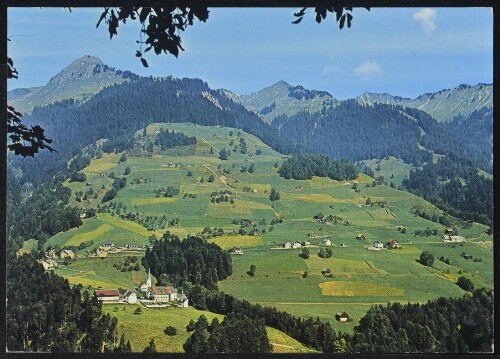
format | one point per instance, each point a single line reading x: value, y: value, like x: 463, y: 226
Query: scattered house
x: 162, y: 294
x: 67, y: 253
x: 51, y: 253
x: 467, y: 256
x: 101, y: 174
x: 378, y: 245
x: 343, y: 245
x: 108, y: 245
x: 446, y: 238
x: 48, y: 264
x: 108, y: 295
x: 254, y: 232
x: 236, y: 250
x: 306, y: 243
x: 457, y: 239
x: 298, y: 188
x: 449, y: 231
x: 327, y: 272
x: 130, y: 297
x: 132, y: 246
x: 360, y: 237
x: 342, y: 316
x: 311, y: 235
x: 326, y: 242
x: 392, y: 244
x: 296, y: 245
x: 287, y: 245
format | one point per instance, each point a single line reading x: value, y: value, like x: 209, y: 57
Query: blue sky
x: 405, y: 52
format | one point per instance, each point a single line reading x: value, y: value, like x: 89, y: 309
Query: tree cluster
x: 191, y: 260
x: 53, y: 317
x: 305, y: 166
x: 168, y: 139
x: 444, y: 325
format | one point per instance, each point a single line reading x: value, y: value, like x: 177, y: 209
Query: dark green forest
x: 168, y: 139
x: 193, y: 260
x: 305, y: 166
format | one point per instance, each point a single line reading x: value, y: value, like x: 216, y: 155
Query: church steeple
x: 148, y: 279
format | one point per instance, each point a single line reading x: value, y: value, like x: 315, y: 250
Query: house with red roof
x: 108, y: 295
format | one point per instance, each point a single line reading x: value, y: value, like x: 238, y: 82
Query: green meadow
x: 360, y: 278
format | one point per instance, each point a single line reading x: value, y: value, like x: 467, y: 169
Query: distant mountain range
x: 79, y: 81
x: 89, y: 100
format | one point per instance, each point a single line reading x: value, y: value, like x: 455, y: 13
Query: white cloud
x: 330, y: 69
x: 427, y: 19
x: 368, y: 69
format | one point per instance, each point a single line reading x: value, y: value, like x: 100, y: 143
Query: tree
x: 170, y: 331
x: 305, y: 253
x: 252, y: 270
x: 427, y: 259
x: 223, y: 154
x: 127, y: 171
x: 465, y: 284
x: 138, y: 310
x: 151, y: 348
x: 123, y: 157
x: 275, y: 195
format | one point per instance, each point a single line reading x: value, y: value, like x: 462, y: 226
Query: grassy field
x: 283, y: 279
x: 151, y: 323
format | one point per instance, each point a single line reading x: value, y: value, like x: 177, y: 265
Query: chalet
x: 67, y: 253
x: 287, y: 245
x: 236, y: 250
x: 127, y: 296
x: 162, y: 294
x: 392, y: 244
x: 457, y: 239
x: 342, y: 317
x: 108, y: 295
x: 327, y: 272
x: 360, y: 237
x: 326, y: 242
x: 449, y: 231
x: 306, y: 243
x: 48, y: 264
x: 296, y: 245
x: 378, y: 245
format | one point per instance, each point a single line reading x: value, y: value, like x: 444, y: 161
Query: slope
x: 360, y: 277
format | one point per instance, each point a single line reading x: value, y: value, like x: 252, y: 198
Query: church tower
x: 148, y: 279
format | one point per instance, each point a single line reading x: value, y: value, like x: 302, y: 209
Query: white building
x: 378, y: 244
x: 287, y: 245
x: 147, y: 284
x: 326, y: 242
x: 296, y: 245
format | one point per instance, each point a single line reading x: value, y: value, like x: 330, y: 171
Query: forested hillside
x: 117, y: 112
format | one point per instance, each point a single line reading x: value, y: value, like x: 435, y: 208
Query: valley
x: 360, y: 278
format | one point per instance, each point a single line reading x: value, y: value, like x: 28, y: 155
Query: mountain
x: 443, y: 105
x: 81, y: 80
x: 283, y: 98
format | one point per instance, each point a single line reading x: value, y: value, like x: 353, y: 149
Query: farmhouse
x: 342, y: 316
x: 378, y: 245
x: 454, y: 239
x: 327, y: 272
x: 343, y: 245
x: 128, y: 296
x: 67, y: 253
x: 449, y: 231
x: 236, y: 250
x: 296, y: 245
x: 183, y: 300
x: 108, y: 295
x: 392, y: 244
x: 306, y: 243
x: 287, y: 245
x: 360, y: 237
x: 48, y: 264
x: 311, y: 235
x: 108, y: 245
x: 326, y: 242
x: 132, y: 246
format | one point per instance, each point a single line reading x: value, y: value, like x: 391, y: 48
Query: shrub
x: 170, y: 331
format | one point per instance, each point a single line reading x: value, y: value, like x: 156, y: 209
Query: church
x: 163, y: 294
